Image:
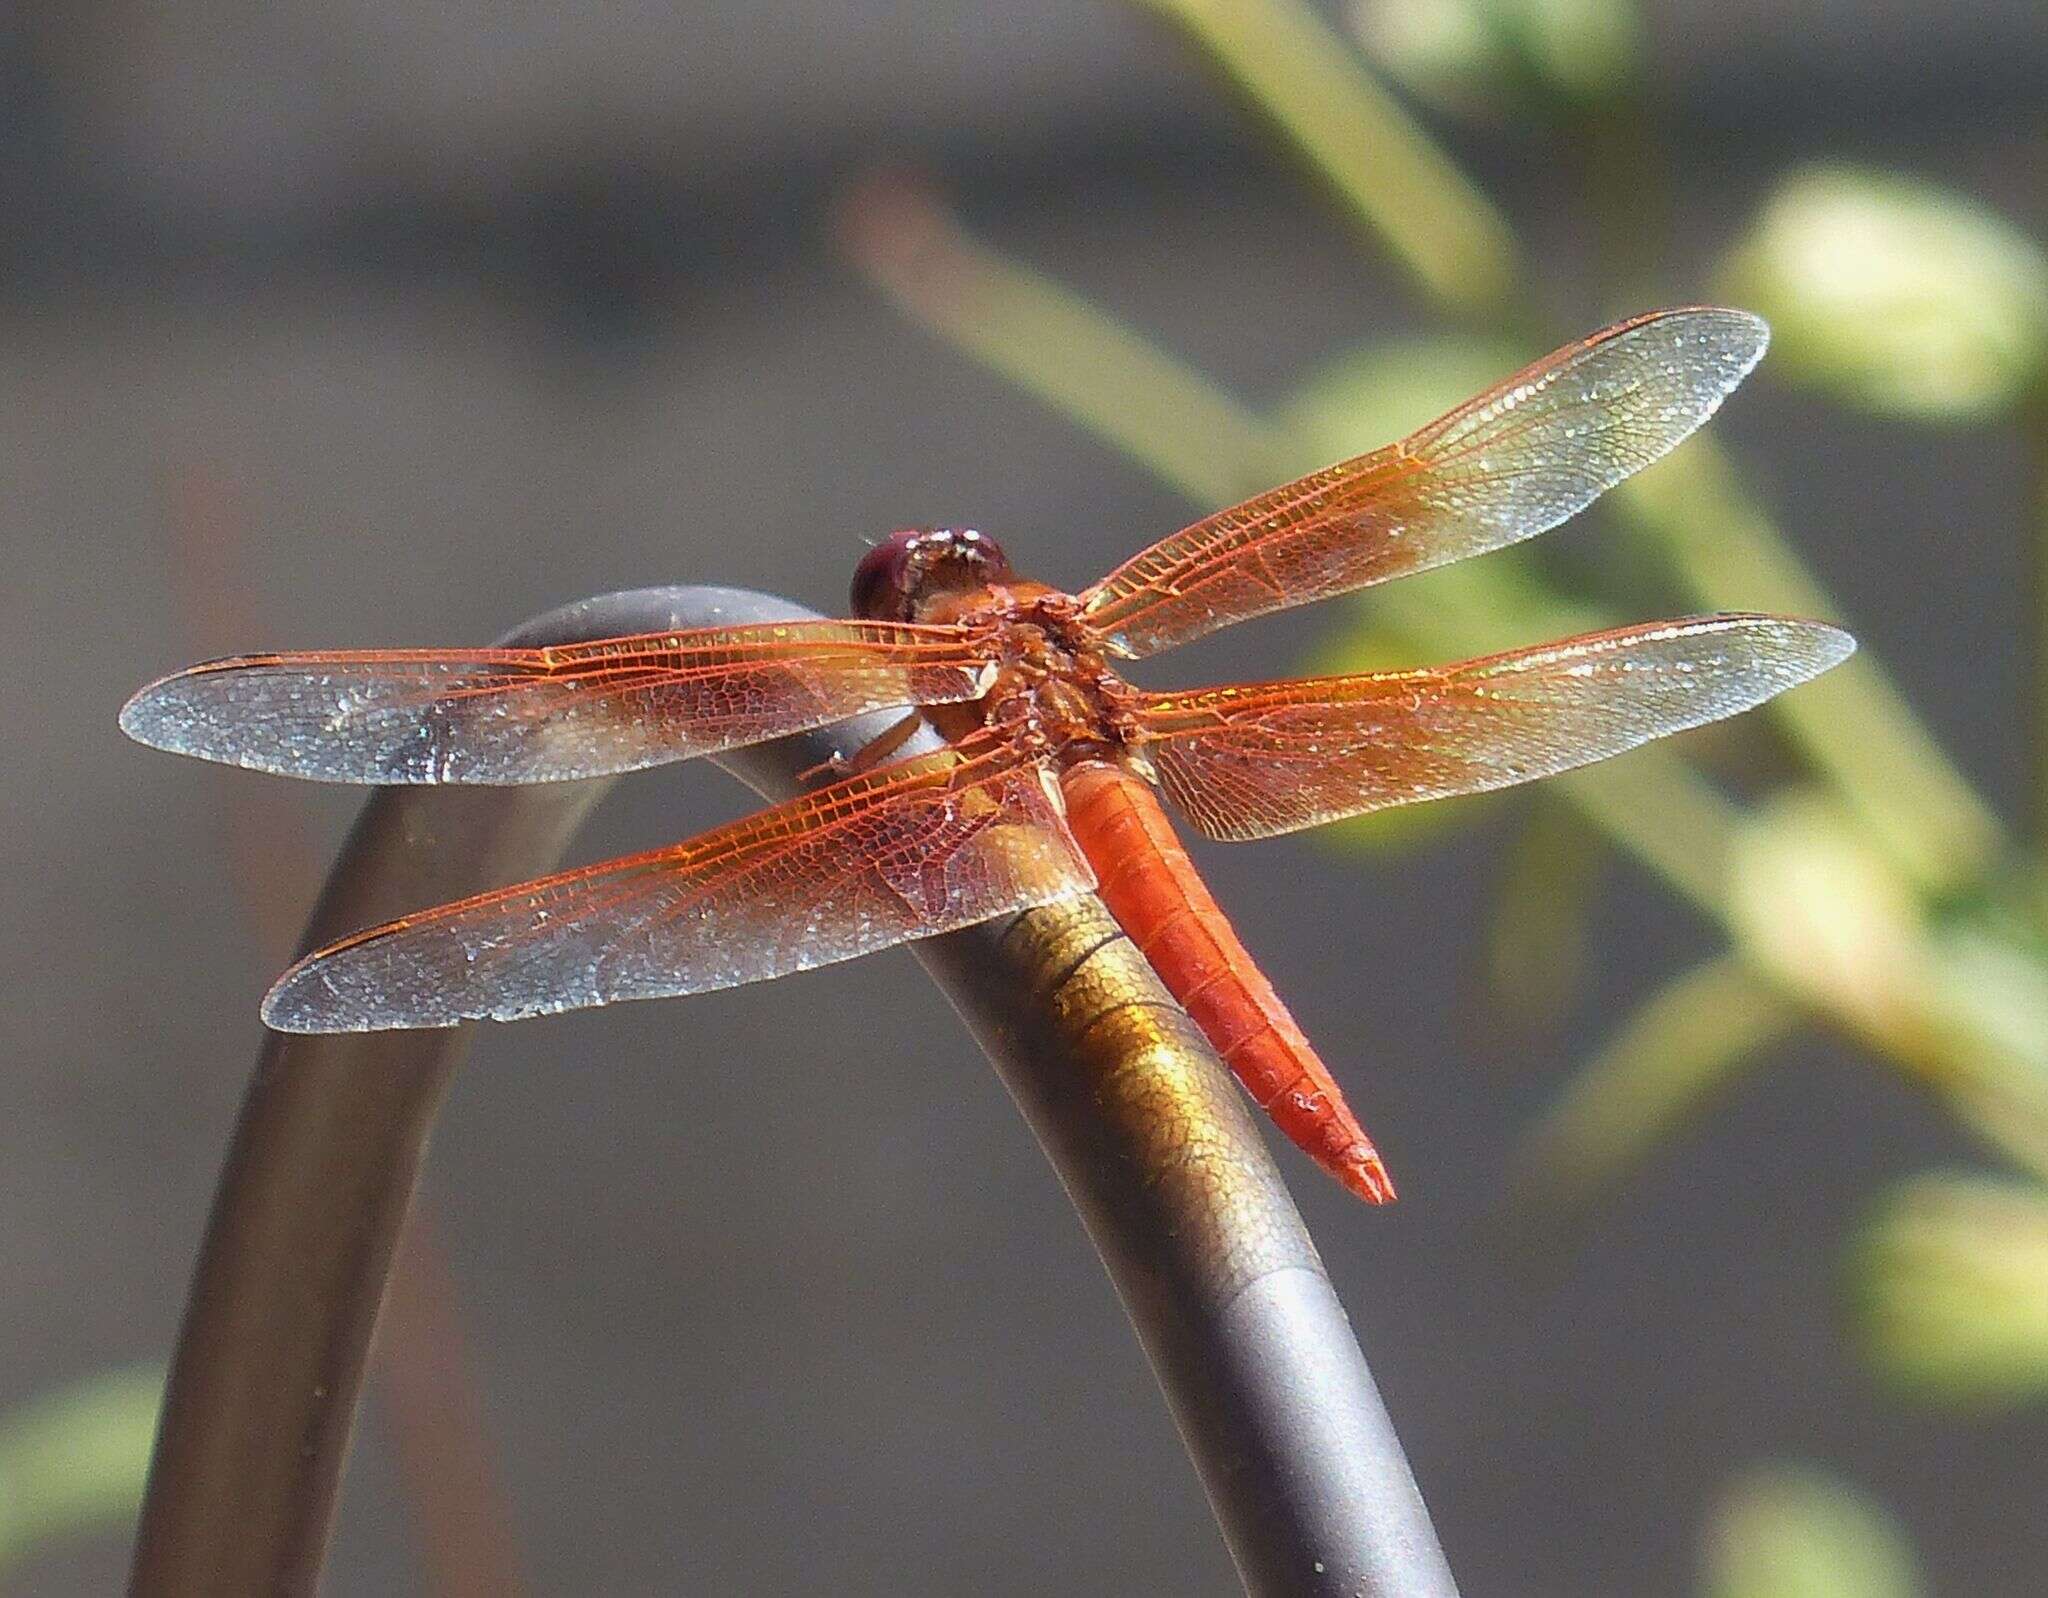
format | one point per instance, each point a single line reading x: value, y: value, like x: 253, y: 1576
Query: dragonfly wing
x: 926, y: 846
x: 536, y: 715
x: 1259, y: 759
x: 1515, y: 461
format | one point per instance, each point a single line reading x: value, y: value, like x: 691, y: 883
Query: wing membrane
x: 536, y: 715
x: 928, y: 845
x: 1260, y: 759
x: 1509, y: 464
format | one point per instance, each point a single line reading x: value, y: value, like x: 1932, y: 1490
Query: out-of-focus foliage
x: 1949, y: 1289
x: 1667, y: 1062
x: 1786, y: 1531
x: 1481, y: 58
x: 73, y: 1462
x: 1830, y: 919
x: 1377, y: 394
x: 1540, y: 943
x: 1894, y: 295
x: 1997, y: 987
x: 1426, y: 213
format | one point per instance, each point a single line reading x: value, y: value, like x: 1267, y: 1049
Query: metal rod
x: 1139, y: 1118
x: 1245, y: 1334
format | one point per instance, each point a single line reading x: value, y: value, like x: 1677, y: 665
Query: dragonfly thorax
x: 1052, y: 689
x: 1055, y: 688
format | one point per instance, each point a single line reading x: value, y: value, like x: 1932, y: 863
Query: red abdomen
x: 1150, y: 885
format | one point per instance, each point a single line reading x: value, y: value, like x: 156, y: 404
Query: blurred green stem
x: 73, y: 1462
x: 1672, y: 819
x: 1308, y: 80
x: 1537, y: 937
x: 1117, y: 385
x: 2035, y: 421
x: 1686, y: 1042
x: 1628, y: 181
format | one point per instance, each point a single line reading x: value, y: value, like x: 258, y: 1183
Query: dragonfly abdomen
x: 1152, y: 888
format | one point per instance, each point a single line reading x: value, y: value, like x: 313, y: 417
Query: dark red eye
x: 881, y: 582
x: 918, y: 563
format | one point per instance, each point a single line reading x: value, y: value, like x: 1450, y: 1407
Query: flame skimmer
x: 1045, y: 789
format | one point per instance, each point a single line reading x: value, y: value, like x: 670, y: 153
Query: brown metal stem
x: 1136, y: 1113
x: 1156, y: 1148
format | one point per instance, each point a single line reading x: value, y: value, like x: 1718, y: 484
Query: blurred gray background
x: 366, y: 323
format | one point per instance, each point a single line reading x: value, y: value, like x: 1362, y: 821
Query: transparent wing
x: 537, y: 715
x: 1511, y: 463
x: 931, y: 844
x: 1265, y: 758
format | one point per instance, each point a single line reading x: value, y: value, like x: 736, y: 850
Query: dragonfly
x: 1045, y: 785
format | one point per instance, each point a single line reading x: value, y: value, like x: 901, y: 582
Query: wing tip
x: 163, y: 717
x: 168, y: 714
x: 1830, y: 645
x: 1812, y: 647
x: 304, y: 1002
x: 288, y: 1006
x: 133, y: 719
x: 1733, y: 317
x: 150, y: 715
x: 1741, y: 339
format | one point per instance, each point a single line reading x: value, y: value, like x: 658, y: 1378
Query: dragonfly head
x: 907, y: 572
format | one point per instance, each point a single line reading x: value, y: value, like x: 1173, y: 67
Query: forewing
x: 536, y: 715
x: 926, y: 846
x: 1514, y: 462
x: 1259, y: 759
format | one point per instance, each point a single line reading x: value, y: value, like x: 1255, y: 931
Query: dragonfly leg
x: 870, y: 754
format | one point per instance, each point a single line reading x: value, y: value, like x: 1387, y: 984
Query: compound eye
x: 882, y: 580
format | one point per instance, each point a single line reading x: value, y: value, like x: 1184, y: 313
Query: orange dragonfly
x: 1045, y: 786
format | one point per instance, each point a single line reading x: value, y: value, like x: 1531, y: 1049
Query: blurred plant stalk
x: 72, y: 1462
x: 2035, y: 415
x: 1296, y: 70
x: 1479, y: 59
x: 1680, y: 1048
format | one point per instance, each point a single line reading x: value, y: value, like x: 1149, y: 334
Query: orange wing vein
x: 925, y: 846
x: 537, y: 715
x: 1514, y: 462
x: 1264, y: 758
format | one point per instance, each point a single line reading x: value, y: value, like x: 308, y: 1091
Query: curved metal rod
x: 1138, y: 1116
